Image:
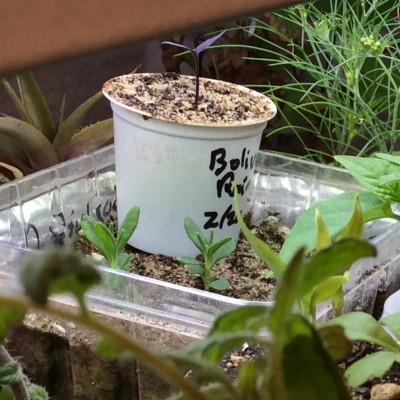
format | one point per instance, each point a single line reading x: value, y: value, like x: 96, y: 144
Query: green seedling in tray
x: 211, y: 253
x: 109, y: 245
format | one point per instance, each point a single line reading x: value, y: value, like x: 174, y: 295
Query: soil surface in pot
x: 245, y: 271
x: 171, y: 97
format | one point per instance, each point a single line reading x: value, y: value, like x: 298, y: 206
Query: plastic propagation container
x: 47, y: 207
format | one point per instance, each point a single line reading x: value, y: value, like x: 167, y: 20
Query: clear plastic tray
x: 47, y: 207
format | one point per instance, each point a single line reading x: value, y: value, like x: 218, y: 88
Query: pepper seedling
x: 197, y: 56
x: 105, y: 241
x: 211, y: 252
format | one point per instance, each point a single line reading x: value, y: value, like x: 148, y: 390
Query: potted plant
x: 179, y: 143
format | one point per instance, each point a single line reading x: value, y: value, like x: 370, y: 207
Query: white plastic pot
x: 173, y: 170
x: 392, y: 304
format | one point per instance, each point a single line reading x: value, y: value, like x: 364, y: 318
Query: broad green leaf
x: 288, y: 293
x: 35, y: 105
x: 194, y: 233
x: 56, y: 271
x: 388, y: 157
x: 127, y: 228
x: 107, y: 348
x: 370, y: 366
x: 336, y: 212
x: 196, y: 269
x: 389, y: 179
x: 308, y: 368
x: 355, y: 226
x: 241, y: 318
x: 335, y: 341
x: 10, y: 373
x: 334, y: 260
x: 271, y: 259
x: 72, y: 124
x: 219, y: 284
x: 362, y: 326
x: 37, y: 147
x: 224, y: 251
x: 323, y: 237
x: 9, y: 316
x: 368, y: 171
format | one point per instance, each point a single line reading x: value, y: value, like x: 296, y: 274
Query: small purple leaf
x: 177, y: 45
x: 202, y: 46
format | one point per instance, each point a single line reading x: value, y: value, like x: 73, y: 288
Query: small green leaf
x: 370, y: 366
x: 223, y: 251
x: 89, y: 226
x: 106, y: 348
x: 127, y: 228
x: 10, y: 373
x: 271, y: 259
x: 325, y: 291
x: 241, y: 318
x: 362, y: 326
x: 196, y: 269
x: 37, y: 392
x: 355, y: 226
x: 219, y: 284
x: 323, y: 237
x: 194, y: 234
x: 393, y: 323
x: 189, y: 261
x: 124, y: 261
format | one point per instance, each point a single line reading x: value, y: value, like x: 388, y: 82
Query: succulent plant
x: 35, y: 141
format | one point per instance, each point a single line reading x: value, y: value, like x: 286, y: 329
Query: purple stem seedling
x: 197, y: 56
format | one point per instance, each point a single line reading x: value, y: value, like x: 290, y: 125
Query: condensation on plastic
x: 46, y: 207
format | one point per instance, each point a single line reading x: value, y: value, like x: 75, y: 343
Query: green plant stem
x: 161, y: 366
x: 18, y: 388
